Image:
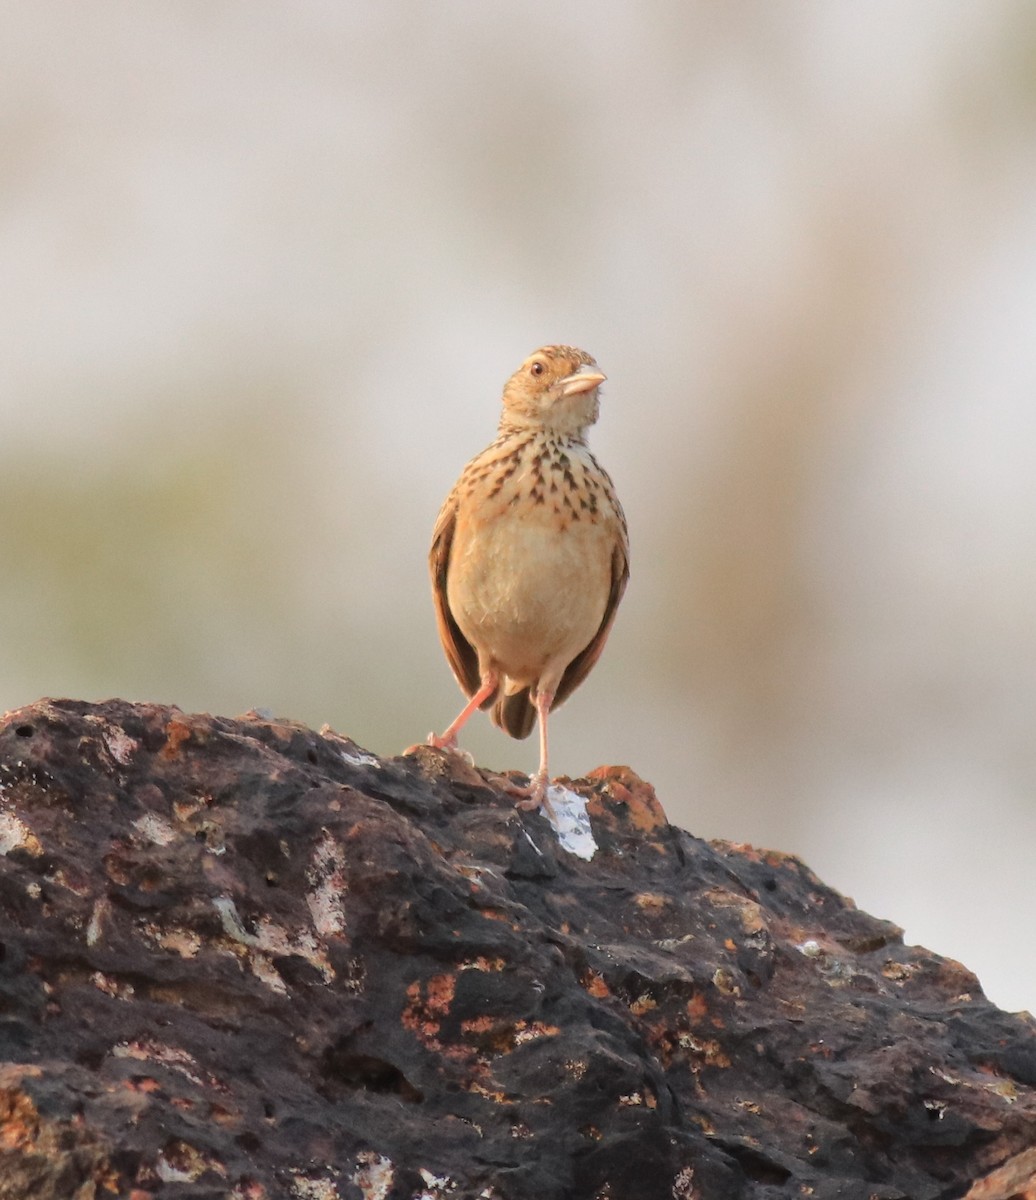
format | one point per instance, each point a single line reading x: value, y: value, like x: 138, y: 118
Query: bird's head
x: 555, y: 389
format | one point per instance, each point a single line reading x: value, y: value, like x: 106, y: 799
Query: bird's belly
x: 528, y: 596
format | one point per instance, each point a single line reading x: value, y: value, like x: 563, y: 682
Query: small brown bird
x: 529, y: 555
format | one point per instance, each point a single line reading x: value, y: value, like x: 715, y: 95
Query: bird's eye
x: 537, y: 368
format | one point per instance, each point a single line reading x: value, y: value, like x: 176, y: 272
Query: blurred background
x: 265, y: 269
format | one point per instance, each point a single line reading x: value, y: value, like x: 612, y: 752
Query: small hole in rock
x: 24, y: 730
x: 90, y: 1057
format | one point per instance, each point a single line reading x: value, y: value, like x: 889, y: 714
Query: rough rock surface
x: 239, y: 958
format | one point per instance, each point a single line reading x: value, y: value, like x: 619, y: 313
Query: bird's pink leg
x: 535, y: 794
x: 448, y: 741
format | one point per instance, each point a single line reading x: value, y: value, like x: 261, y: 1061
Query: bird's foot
x: 532, y: 797
x: 449, y: 744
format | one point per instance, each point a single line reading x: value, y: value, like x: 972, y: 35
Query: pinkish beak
x: 583, y: 380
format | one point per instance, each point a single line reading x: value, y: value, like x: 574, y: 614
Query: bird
x: 530, y: 556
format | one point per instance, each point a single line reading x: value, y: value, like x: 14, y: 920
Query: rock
x: 1014, y: 1180
x: 239, y: 958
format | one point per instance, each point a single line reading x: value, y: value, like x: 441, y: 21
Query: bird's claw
x: 451, y: 747
x: 531, y: 797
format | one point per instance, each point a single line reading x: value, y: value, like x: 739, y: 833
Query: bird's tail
x: 515, y: 714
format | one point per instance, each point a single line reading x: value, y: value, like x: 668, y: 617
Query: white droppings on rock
x: 264, y: 970
x: 327, y: 878
x: 271, y: 941
x: 111, y: 986
x: 436, y: 1187
x: 528, y: 838
x: 180, y: 1162
x: 169, y: 1056
x: 155, y: 829
x: 231, y: 922
x: 16, y: 835
x: 95, y: 925
x: 305, y: 1188
x: 358, y: 758
x: 373, y: 1176
x: 119, y: 744
x: 279, y: 942
x: 185, y: 942
x: 170, y: 1174
x: 683, y: 1185
x: 566, y: 812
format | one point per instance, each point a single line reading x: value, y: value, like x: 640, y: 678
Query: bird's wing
x: 459, y: 651
x: 578, y: 669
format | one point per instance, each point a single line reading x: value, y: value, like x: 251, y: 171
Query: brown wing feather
x: 460, y: 653
x: 580, y: 666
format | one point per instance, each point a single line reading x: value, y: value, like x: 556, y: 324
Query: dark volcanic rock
x: 239, y: 958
